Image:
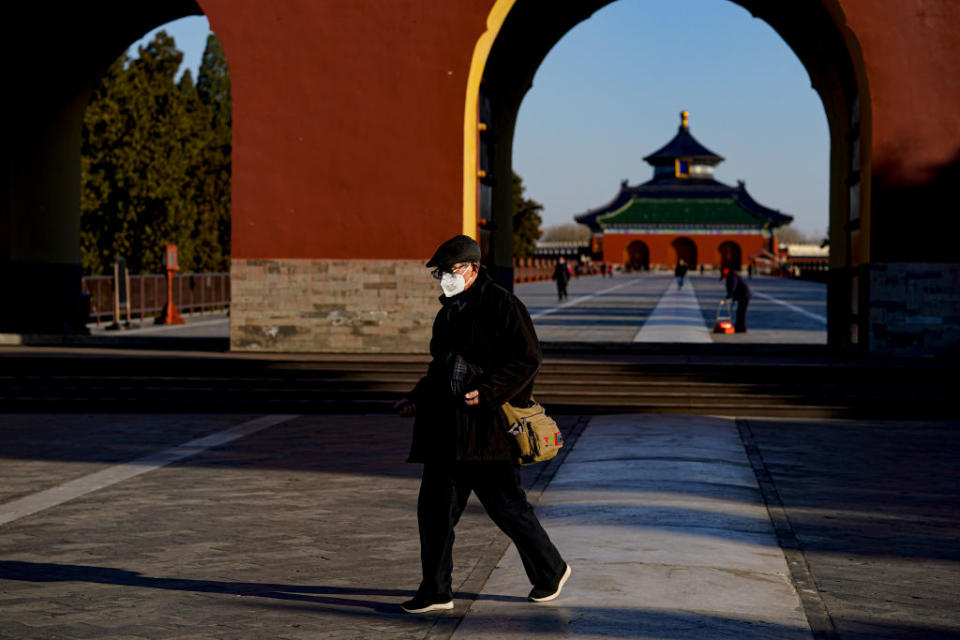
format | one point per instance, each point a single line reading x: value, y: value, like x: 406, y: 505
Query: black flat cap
x: 456, y: 249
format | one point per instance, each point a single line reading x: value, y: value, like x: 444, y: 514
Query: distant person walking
x: 561, y: 273
x: 739, y: 292
x: 680, y: 272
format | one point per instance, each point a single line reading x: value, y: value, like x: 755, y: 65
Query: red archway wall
x: 348, y: 124
x: 350, y: 139
x: 349, y: 133
x: 348, y: 116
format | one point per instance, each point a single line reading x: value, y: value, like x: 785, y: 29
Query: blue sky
x: 610, y: 92
x: 189, y: 33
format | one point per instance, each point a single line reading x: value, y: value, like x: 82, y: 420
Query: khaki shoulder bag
x: 537, y: 435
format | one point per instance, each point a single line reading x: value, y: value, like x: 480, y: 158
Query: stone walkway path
x: 648, y: 308
x: 661, y: 519
x: 676, y: 318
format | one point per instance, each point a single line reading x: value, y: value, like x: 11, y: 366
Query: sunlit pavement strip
x: 792, y: 307
x: 577, y: 301
x: 676, y: 318
x: 37, y: 502
x: 141, y: 327
x: 179, y: 327
x: 661, y: 519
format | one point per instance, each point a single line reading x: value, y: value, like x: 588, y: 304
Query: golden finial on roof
x: 684, y: 115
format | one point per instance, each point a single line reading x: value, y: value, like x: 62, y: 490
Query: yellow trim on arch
x: 481, y: 51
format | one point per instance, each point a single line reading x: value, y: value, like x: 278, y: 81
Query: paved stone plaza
x: 305, y: 528
x: 619, y: 309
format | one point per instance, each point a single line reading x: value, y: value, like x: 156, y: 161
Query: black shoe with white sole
x: 424, y: 604
x: 539, y: 594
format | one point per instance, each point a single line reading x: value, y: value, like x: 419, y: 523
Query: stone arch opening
x: 685, y: 249
x: 40, y: 230
x: 637, y: 256
x: 731, y: 256
x: 519, y: 35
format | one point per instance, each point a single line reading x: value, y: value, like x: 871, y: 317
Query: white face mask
x: 452, y: 284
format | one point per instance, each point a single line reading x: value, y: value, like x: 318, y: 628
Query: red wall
x: 348, y: 124
x: 662, y: 253
x: 910, y: 52
x: 348, y: 120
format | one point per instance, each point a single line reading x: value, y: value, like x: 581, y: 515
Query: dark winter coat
x: 680, y: 271
x: 736, y: 287
x: 491, y: 330
x: 561, y: 273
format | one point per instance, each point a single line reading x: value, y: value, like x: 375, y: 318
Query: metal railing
x: 537, y: 269
x: 192, y: 293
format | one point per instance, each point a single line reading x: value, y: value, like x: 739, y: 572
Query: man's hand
x: 471, y: 398
x: 405, y: 408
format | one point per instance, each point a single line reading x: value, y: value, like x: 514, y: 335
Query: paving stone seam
x: 814, y: 608
x: 445, y: 626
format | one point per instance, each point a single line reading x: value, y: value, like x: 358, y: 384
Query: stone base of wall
x: 332, y: 306
x: 914, y: 308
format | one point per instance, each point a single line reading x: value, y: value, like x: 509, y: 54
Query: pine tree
x: 213, y: 87
x: 526, y: 221
x: 131, y: 155
x: 166, y: 150
x: 102, y: 199
x: 206, y: 253
x: 156, y: 163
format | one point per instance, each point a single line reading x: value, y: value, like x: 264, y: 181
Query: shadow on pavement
x: 315, y: 594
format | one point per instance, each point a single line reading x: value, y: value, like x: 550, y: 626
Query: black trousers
x: 444, y: 490
x: 561, y: 289
x: 741, y: 322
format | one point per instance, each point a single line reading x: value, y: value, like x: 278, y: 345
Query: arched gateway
x: 329, y: 232
x: 877, y: 167
x: 730, y: 256
x: 638, y: 255
x: 685, y: 249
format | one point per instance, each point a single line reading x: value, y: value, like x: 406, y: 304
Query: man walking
x: 680, y: 272
x: 738, y: 291
x: 561, y: 273
x: 485, y: 352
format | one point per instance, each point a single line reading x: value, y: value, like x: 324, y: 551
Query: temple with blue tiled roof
x: 683, y: 213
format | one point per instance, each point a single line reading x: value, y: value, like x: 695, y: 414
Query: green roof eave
x: 713, y: 211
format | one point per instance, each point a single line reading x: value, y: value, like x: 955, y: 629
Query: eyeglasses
x: 457, y: 268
